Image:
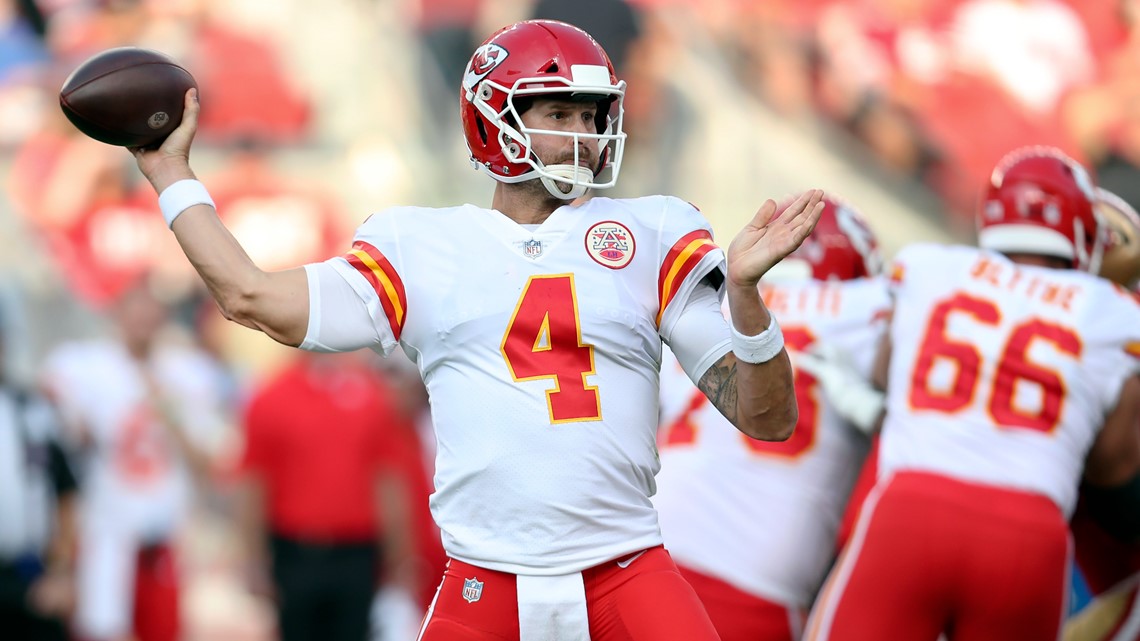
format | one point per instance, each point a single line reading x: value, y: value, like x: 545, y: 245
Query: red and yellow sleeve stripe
x: 898, y: 272
x: 681, y: 260
x: 379, y: 273
x: 1132, y: 349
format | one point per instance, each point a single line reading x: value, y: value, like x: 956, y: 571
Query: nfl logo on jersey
x: 532, y: 248
x: 472, y: 590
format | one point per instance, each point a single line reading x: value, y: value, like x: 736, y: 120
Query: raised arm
x: 752, y: 385
x: 276, y: 303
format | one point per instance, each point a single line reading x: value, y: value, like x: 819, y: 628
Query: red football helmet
x: 1040, y: 201
x: 532, y: 58
x: 841, y: 247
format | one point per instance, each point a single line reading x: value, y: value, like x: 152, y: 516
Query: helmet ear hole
x: 552, y: 67
x: 482, y: 130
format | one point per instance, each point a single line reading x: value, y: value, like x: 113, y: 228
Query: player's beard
x: 534, y: 188
x: 539, y: 191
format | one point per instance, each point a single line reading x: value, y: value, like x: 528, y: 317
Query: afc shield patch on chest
x: 472, y: 590
x: 610, y: 244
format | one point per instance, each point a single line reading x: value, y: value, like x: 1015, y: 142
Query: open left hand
x: 764, y: 242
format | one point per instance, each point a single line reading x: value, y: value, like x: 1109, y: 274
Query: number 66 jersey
x: 540, y: 349
x: 1003, y: 373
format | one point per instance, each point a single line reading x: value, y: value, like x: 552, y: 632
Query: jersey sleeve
x: 358, y: 299
x: 902, y: 268
x: 687, y: 255
x: 1114, y: 319
x: 700, y: 336
x: 62, y: 379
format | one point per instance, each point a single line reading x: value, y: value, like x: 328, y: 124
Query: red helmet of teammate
x: 537, y: 58
x: 1040, y: 201
x: 841, y: 247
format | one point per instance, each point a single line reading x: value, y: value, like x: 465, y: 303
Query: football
x: 127, y: 96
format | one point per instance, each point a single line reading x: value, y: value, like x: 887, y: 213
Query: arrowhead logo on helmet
x: 483, y: 62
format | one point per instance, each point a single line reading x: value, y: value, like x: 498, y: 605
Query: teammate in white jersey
x: 1012, y: 376
x: 537, y: 326
x: 716, y: 485
x: 147, y: 415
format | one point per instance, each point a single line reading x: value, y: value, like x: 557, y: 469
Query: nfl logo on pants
x: 472, y: 589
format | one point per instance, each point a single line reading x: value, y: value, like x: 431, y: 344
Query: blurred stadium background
x: 316, y: 114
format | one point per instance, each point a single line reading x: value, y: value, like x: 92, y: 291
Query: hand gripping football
x: 128, y: 96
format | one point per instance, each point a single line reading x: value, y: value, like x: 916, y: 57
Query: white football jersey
x: 763, y: 516
x: 540, y: 348
x: 133, y: 474
x: 135, y: 485
x: 1002, y: 373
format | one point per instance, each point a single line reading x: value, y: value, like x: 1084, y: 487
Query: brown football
x: 127, y: 96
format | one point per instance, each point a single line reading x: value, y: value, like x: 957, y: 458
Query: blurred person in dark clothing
x: 325, y: 508
x: 37, y: 517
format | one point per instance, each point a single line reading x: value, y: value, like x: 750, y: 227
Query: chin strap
x: 569, y: 181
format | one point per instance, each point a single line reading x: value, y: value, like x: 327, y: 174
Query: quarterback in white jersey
x: 717, y: 484
x: 1011, y: 377
x: 143, y: 413
x: 549, y: 343
x: 537, y: 325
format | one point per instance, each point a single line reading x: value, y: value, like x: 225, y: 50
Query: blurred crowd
x: 931, y: 92
x: 313, y: 116
x: 939, y: 90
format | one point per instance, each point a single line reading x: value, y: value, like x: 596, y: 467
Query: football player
x: 752, y: 523
x: 1011, y: 376
x: 149, y: 417
x: 1109, y: 563
x: 537, y: 325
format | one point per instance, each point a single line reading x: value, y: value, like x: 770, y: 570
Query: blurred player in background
x: 537, y: 326
x: 751, y: 523
x: 146, y: 415
x: 1109, y: 560
x: 1010, y: 373
x: 325, y: 512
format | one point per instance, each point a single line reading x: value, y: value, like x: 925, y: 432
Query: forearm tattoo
x: 719, y: 385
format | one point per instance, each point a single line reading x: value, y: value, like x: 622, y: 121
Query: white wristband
x: 181, y: 196
x: 760, y: 348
